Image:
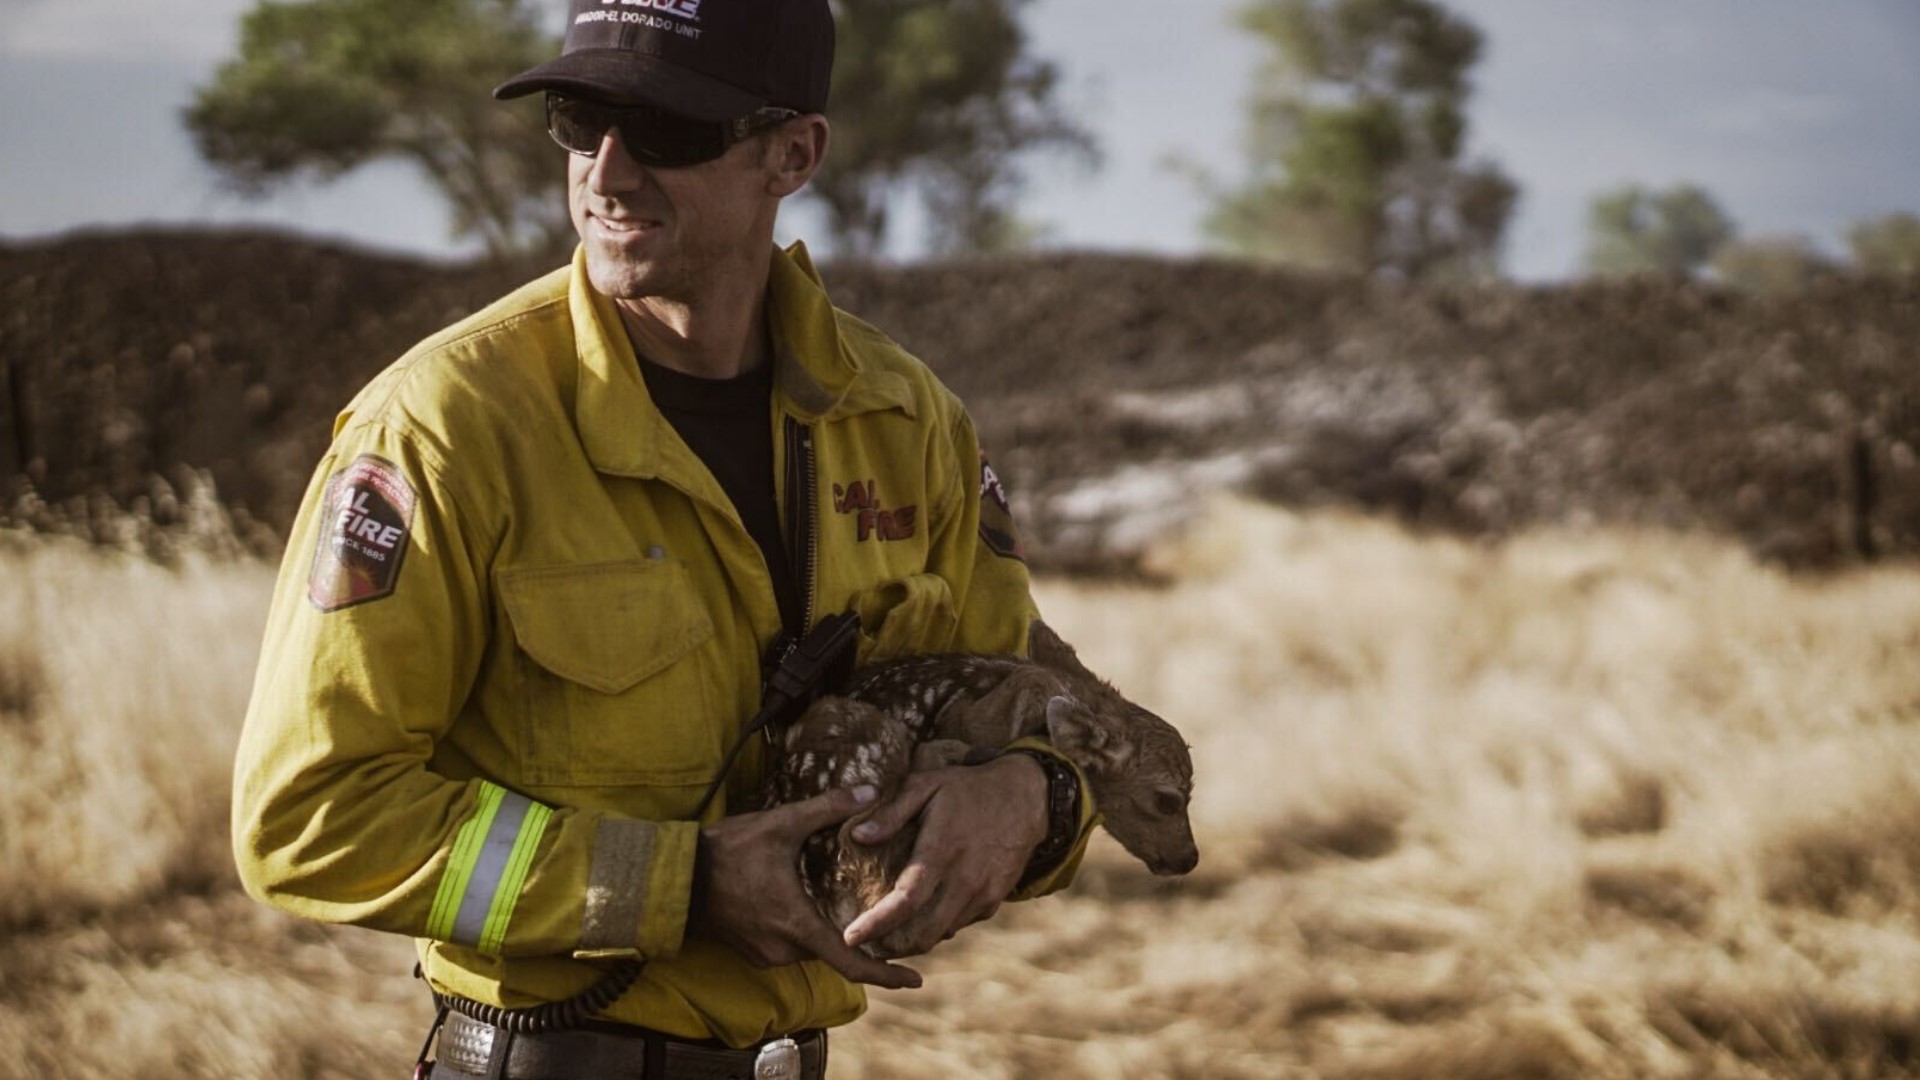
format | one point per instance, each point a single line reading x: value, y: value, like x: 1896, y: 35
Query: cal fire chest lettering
x: 365, y: 517
x: 873, y: 521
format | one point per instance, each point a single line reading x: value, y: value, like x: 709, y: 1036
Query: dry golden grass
x: 1599, y: 805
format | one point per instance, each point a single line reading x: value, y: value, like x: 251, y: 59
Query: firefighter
x: 528, y: 607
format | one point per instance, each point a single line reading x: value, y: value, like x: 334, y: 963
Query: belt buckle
x: 778, y: 1060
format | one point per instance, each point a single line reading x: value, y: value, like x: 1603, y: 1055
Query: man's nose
x: 614, y: 170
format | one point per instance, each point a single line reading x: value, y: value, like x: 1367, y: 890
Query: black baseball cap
x: 713, y: 60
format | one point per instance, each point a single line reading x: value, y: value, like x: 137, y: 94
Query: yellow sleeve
x: 379, y: 624
x: 978, y: 549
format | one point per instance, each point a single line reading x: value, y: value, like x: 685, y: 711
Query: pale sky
x: 1799, y: 117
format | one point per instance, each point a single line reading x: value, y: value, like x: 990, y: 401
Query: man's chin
x: 621, y: 277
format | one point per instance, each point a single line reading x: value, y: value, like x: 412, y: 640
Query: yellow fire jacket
x: 519, y: 624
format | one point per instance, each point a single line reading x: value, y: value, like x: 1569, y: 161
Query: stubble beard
x: 622, y: 276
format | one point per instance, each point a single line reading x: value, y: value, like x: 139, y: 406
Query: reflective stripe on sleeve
x: 492, y: 853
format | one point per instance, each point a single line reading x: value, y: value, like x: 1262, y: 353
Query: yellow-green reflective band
x: 505, y: 895
x: 466, y: 850
x: 492, y: 853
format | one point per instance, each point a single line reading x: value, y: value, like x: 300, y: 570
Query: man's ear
x: 795, y: 151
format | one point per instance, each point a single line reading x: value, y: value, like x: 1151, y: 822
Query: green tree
x: 1887, y: 245
x: 1356, y: 140
x: 1770, y: 264
x: 1634, y: 230
x: 938, y: 96
x: 934, y: 95
x: 321, y: 87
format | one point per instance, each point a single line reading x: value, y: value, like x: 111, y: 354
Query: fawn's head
x: 1136, y: 763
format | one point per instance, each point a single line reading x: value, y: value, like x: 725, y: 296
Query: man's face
x: 668, y: 232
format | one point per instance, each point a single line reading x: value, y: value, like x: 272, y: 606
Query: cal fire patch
x: 364, y: 519
x: 996, y: 515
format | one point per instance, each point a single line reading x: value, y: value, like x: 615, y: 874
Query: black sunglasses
x: 652, y: 136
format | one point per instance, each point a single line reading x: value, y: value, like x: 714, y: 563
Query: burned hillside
x: 1111, y: 390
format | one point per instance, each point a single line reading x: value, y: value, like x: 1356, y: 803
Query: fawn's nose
x: 1180, y: 863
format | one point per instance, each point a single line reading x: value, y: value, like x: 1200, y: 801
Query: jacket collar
x: 818, y: 374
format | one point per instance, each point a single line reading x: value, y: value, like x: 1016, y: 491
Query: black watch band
x: 1063, y: 816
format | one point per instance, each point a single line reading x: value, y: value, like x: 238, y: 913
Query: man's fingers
x: 892, y: 817
x: 912, y: 890
x: 857, y: 966
x: 809, y: 816
x: 943, y: 915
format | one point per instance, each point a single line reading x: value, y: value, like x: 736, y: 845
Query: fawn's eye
x: 1169, y: 803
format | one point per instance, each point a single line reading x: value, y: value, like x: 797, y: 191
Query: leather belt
x: 619, y: 1052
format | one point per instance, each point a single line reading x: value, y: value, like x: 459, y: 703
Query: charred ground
x: 1112, y: 390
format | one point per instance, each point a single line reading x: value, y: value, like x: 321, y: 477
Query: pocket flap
x: 605, y: 626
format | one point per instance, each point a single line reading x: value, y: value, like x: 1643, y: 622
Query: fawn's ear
x: 1076, y: 732
x: 1045, y: 648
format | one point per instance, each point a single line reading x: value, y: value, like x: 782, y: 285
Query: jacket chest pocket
x: 615, y: 686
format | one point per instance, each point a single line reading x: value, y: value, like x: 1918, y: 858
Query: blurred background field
x: 1602, y: 803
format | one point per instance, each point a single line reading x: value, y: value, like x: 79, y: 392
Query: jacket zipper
x: 802, y: 513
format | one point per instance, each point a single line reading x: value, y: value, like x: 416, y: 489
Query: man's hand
x: 753, y: 900
x: 978, y: 827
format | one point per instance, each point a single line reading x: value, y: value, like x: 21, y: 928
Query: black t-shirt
x: 727, y: 424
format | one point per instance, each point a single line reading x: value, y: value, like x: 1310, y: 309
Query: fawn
x: 925, y: 712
